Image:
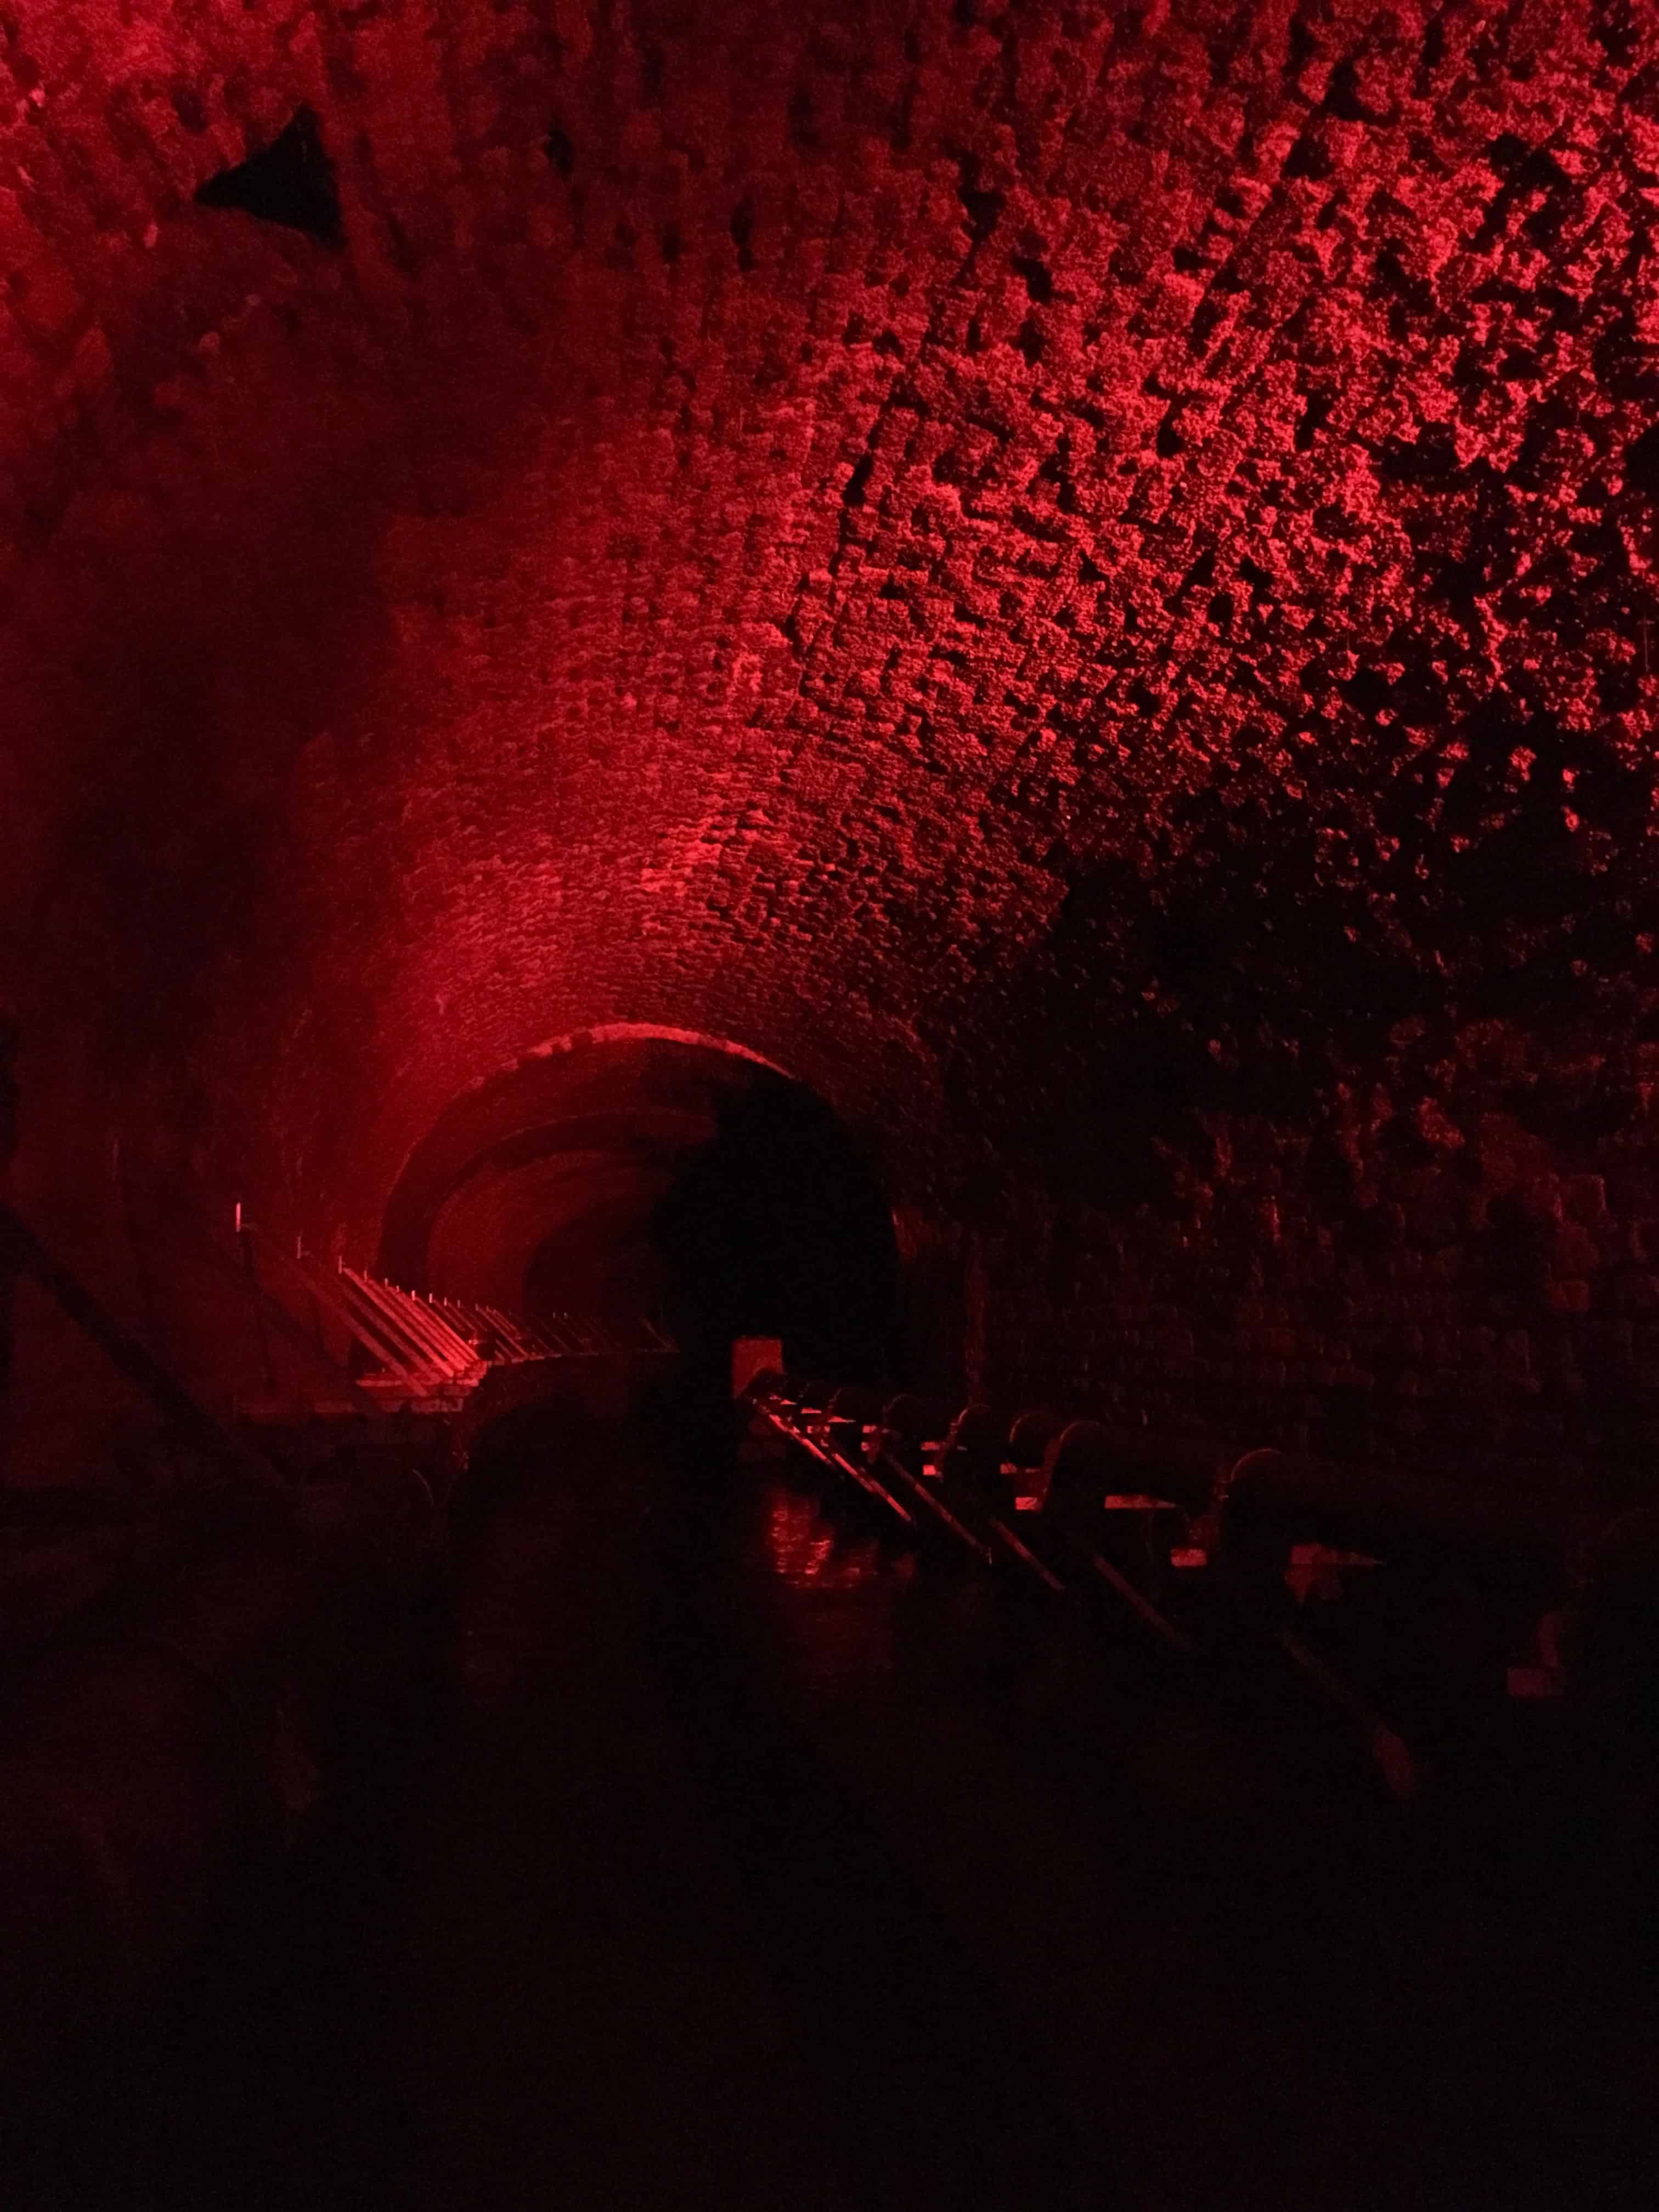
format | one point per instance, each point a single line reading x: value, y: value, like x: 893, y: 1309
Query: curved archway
x: 633, y: 1170
x: 620, y: 1091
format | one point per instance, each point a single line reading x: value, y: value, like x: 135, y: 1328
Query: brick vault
x: 1079, y: 578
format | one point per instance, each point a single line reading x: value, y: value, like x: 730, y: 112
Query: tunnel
x: 632, y: 1171
x: 782, y: 788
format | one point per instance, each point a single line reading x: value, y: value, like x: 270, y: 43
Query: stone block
x: 1574, y: 1252
x: 1586, y: 1198
x: 1515, y: 1351
x: 1543, y: 1197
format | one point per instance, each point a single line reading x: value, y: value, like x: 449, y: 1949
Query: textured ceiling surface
x: 516, y: 1157
x: 961, y: 548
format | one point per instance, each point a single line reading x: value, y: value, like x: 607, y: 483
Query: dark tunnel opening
x: 646, y: 1182
x: 777, y: 1227
x: 603, y: 1264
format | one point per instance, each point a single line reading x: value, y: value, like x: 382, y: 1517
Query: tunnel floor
x: 726, y: 1855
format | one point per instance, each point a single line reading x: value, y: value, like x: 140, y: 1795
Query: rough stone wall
x: 1425, y: 1279
x: 1061, y: 572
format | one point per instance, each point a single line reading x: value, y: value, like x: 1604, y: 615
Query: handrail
x: 298, y: 1336
x: 366, y: 1329
x: 421, y: 1340
x: 424, y: 1330
x: 22, y: 1249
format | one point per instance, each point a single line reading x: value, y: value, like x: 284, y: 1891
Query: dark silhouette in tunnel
x: 602, y: 1264
x: 778, y: 1227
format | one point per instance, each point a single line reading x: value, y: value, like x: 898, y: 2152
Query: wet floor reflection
x: 735, y: 1855
x: 1151, y: 1867
x: 837, y: 1592
x: 804, y: 1546
x: 849, y: 1605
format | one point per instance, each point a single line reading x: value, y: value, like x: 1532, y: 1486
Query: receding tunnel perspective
x: 776, y: 1229
x: 634, y: 1173
x: 829, y: 1105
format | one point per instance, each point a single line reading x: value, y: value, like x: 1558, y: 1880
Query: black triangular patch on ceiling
x: 291, y: 181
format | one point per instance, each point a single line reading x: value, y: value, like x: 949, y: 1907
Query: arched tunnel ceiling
x: 884, y: 534
x: 577, y: 1208
x: 516, y: 1158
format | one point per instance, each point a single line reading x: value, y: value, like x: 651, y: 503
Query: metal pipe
x: 21, y: 1249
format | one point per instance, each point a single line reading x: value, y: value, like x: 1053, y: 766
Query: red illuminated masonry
x: 1080, y: 580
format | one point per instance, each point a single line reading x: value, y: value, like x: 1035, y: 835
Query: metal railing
x: 425, y: 1347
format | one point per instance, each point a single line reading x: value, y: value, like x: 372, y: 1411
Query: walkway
x: 729, y: 1858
